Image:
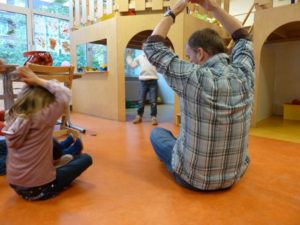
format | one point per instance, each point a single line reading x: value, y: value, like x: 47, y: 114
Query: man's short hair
x: 209, y: 40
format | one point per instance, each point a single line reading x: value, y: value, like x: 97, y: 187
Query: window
x: 52, y: 35
x: 13, y: 37
x: 92, y: 57
x: 43, y: 27
x: 20, y: 3
x: 59, y: 7
x: 132, y: 72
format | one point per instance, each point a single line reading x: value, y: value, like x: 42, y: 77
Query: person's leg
x: 67, y: 142
x: 3, y: 153
x: 153, y: 97
x: 142, y: 97
x: 57, y: 149
x: 74, y: 149
x: 163, y: 142
x: 66, y: 174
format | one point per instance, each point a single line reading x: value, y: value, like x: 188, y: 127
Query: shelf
x: 91, y: 73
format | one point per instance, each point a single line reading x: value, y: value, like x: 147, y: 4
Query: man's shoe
x: 138, y: 119
x: 154, y: 120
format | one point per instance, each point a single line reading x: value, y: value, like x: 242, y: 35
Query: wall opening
x: 165, y: 100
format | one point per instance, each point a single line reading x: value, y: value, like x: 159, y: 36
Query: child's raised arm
x: 29, y: 77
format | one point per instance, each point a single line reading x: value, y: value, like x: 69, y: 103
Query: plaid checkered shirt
x: 216, y: 101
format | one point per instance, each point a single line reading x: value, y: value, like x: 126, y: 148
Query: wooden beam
x: 281, y: 33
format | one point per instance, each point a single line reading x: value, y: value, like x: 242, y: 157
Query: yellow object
x: 106, y: 17
x: 291, y: 112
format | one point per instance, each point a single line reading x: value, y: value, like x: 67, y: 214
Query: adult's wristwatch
x: 170, y: 13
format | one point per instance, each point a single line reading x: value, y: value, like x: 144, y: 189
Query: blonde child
x: 28, y: 131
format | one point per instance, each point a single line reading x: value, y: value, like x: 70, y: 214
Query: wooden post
x: 71, y: 12
x: 91, y: 16
x: 226, y: 5
x: 123, y: 5
x: 140, y: 5
x: 157, y: 4
x: 109, y: 9
x: 84, y: 9
x: 77, y: 13
x: 99, y: 13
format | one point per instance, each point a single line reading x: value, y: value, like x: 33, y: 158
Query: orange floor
x: 127, y: 185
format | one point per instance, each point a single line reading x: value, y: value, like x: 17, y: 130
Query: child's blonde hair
x: 33, y: 100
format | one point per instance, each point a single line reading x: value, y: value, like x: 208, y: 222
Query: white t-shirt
x: 148, y: 72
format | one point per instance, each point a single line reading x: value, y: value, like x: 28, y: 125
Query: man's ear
x: 200, y: 54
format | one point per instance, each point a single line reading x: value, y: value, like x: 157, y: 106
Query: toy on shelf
x: 103, y: 67
x: 85, y: 69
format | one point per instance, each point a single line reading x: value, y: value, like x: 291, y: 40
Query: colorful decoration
x: 39, y: 57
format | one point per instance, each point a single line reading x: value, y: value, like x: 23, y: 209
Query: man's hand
x: 179, y: 6
x: 209, y: 5
x: 129, y: 52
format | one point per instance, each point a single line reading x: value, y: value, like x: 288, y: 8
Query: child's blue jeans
x: 64, y: 176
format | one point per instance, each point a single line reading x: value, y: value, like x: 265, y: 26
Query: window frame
x: 29, y: 12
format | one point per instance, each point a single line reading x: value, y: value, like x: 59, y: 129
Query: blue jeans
x: 163, y: 142
x: 64, y: 176
x: 146, y: 86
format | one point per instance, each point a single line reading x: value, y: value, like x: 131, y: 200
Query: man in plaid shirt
x: 216, y: 100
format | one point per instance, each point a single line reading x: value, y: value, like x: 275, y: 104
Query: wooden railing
x: 86, y: 12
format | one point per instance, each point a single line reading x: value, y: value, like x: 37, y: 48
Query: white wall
x: 279, y: 80
x: 287, y: 74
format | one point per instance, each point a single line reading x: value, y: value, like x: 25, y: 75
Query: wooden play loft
x: 87, y: 12
x: 116, y: 24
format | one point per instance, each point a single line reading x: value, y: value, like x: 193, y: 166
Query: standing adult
x: 216, y: 101
x: 148, y: 84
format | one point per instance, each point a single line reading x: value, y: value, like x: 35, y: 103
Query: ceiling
x: 287, y: 32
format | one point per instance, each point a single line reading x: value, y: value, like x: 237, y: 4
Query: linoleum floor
x: 128, y: 185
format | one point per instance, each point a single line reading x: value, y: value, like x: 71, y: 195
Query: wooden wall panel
x: 123, y: 5
x: 157, y: 4
x: 140, y: 5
